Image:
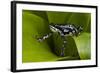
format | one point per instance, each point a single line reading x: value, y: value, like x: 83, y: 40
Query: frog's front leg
x: 44, y: 37
x: 63, y: 46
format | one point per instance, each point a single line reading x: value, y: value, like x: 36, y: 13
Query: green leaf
x: 36, y: 24
x: 34, y: 51
x: 83, y: 43
x: 58, y: 17
x: 81, y: 19
x: 41, y: 14
x: 70, y: 51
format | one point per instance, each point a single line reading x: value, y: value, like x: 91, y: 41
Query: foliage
x: 36, y: 24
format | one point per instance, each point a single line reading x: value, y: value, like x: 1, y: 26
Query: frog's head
x: 53, y: 28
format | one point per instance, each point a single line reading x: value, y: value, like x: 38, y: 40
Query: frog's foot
x: 62, y: 54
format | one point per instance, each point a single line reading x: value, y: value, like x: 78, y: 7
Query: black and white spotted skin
x: 63, y: 30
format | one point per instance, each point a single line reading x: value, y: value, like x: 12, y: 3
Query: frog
x: 63, y: 30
